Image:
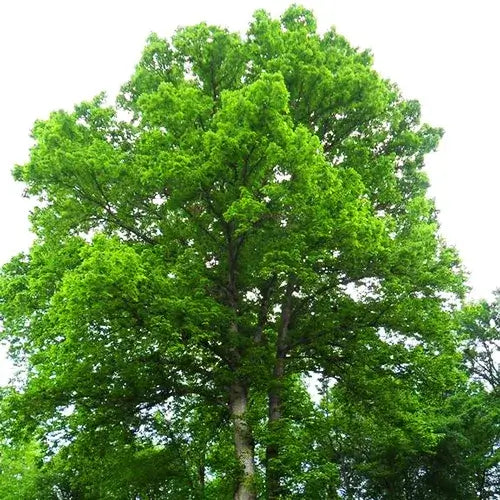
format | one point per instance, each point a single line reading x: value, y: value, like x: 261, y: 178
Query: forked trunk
x: 243, y: 442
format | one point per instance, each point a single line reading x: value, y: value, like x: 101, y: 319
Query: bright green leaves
x: 181, y: 110
x: 19, y: 471
x: 157, y: 65
x: 109, y: 271
x: 249, y: 133
x: 75, y: 167
x: 259, y: 106
x: 479, y: 325
x: 253, y: 210
x: 212, y: 56
x: 245, y: 212
x: 298, y: 18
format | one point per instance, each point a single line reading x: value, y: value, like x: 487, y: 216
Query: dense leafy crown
x: 253, y: 209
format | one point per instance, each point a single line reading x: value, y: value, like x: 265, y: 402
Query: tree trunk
x: 243, y: 442
x: 273, y: 473
x: 201, y: 474
x: 275, y: 400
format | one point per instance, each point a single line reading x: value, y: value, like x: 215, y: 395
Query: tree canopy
x: 248, y: 218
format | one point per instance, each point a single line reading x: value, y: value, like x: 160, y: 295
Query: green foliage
x: 19, y: 477
x: 251, y: 211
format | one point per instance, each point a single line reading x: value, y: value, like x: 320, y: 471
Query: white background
x: 55, y: 53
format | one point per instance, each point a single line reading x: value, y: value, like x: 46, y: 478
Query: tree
x: 19, y: 477
x: 480, y: 326
x: 480, y: 330
x: 405, y: 436
x: 251, y: 210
